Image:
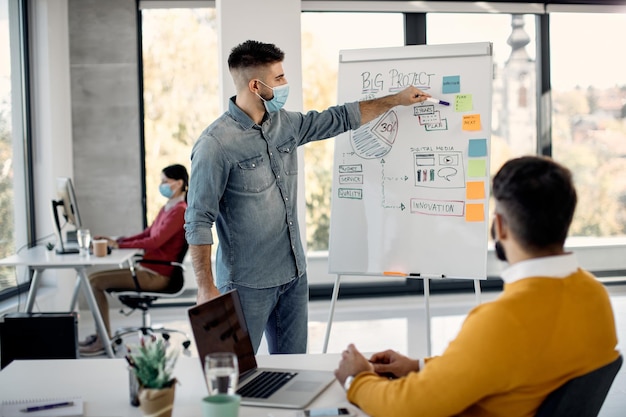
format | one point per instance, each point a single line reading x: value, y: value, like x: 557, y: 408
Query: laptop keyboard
x: 265, y: 384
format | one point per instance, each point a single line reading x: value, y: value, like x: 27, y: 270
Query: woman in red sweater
x: 163, y: 240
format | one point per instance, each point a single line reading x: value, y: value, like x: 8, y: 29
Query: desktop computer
x: 38, y: 336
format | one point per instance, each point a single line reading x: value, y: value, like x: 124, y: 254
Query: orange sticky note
x: 475, y: 212
x: 475, y: 190
x: 471, y: 122
x: 394, y: 274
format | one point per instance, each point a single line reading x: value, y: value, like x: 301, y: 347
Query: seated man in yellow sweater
x: 552, y: 322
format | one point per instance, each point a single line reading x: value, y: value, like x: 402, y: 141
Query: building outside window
x: 515, y: 68
x: 589, y: 116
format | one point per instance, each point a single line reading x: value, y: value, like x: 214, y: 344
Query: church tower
x: 517, y: 120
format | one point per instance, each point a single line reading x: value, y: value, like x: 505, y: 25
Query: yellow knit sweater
x: 508, y: 356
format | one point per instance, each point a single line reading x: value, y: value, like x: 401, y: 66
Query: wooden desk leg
x: 93, y: 306
x: 331, y: 313
x: 32, y: 292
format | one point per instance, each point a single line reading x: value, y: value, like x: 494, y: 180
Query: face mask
x: 277, y: 102
x: 500, y: 254
x: 166, y: 190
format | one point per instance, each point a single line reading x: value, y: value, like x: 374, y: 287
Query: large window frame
x: 601, y: 255
x: 21, y: 133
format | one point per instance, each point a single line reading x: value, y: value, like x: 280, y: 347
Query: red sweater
x: 163, y: 240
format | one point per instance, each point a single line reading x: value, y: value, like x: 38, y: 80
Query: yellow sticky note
x: 475, y: 190
x: 463, y: 102
x: 476, y: 168
x: 475, y: 212
x: 471, y: 122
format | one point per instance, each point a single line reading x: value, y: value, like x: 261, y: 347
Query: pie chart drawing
x: 375, y: 139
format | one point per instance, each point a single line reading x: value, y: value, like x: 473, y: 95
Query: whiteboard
x: 411, y: 188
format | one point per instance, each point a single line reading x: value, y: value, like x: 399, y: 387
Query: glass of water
x: 222, y: 373
x: 84, y: 240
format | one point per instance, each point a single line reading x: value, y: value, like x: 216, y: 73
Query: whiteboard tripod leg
x: 331, y: 312
x: 477, y: 290
x: 427, y: 308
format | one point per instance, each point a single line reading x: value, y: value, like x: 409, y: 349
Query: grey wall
x: 105, y: 114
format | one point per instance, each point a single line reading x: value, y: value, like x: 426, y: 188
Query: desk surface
x: 39, y: 256
x: 103, y: 384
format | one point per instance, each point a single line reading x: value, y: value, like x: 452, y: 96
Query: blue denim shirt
x: 244, y: 180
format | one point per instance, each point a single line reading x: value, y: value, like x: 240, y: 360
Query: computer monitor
x: 66, y: 201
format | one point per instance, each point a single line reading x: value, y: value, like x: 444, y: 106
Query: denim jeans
x: 282, y: 312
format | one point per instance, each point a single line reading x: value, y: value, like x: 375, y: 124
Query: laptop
x: 218, y: 325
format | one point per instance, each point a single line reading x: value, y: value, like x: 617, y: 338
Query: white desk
x: 103, y: 384
x: 39, y: 259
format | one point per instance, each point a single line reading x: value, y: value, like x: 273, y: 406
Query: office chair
x: 143, y: 300
x: 582, y: 396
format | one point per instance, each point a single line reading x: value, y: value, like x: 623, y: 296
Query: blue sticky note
x: 477, y: 147
x: 451, y: 84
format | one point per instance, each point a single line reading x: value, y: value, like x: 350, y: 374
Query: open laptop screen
x: 219, y: 326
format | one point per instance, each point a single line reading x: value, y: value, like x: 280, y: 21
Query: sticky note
x: 475, y: 212
x: 477, y: 147
x: 463, y: 102
x: 471, y: 122
x: 475, y: 190
x: 476, y: 168
x: 451, y: 84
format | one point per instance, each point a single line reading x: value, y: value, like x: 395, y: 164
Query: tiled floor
x: 397, y: 323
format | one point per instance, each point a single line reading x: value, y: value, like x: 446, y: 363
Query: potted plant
x: 153, y: 365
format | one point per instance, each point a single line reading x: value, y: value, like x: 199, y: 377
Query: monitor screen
x: 66, y: 195
x: 65, y: 203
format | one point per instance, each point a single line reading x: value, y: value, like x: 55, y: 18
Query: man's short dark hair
x: 537, y: 198
x: 253, y: 54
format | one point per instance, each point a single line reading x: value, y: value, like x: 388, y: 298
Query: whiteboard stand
x: 331, y: 313
x: 426, y: 281
x: 477, y: 291
x: 333, y: 303
x: 427, y: 308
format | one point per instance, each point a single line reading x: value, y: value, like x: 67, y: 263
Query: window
x: 588, y: 111
x: 181, y: 92
x: 515, y: 68
x: 589, y: 117
x: 13, y: 206
x: 320, y: 56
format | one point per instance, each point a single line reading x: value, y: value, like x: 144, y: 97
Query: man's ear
x: 253, y: 85
x: 502, y: 230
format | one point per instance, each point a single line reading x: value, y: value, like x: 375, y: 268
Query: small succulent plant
x: 152, y: 363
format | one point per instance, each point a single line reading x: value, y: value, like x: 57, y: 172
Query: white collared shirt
x: 559, y: 266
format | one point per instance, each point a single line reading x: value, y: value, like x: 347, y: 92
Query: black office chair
x: 143, y: 300
x: 582, y: 396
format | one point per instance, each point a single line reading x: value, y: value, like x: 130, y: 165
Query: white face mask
x: 277, y: 102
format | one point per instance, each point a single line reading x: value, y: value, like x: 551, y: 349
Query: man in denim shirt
x: 244, y: 173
